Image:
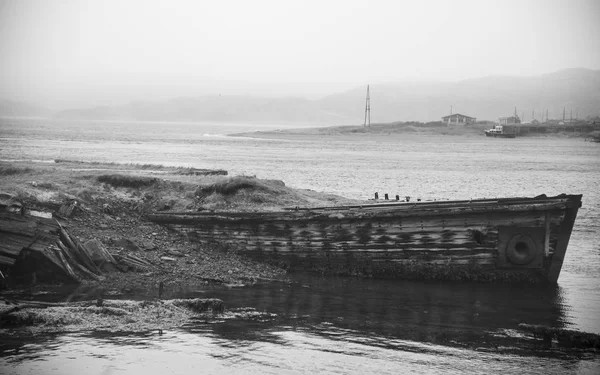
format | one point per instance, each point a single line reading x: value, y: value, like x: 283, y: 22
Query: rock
x: 128, y: 244
x: 174, y: 252
x: 147, y: 245
x: 163, y: 205
x: 10, y: 203
x: 5, y: 195
x: 168, y: 259
x: 106, y: 208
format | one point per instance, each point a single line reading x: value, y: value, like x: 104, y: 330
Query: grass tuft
x: 119, y: 180
x: 11, y: 171
x: 232, y: 185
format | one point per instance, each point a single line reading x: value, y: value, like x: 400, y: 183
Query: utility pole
x: 368, y: 109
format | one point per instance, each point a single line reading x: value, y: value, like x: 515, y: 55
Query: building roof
x: 457, y: 114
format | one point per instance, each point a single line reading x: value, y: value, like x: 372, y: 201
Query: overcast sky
x: 67, y: 52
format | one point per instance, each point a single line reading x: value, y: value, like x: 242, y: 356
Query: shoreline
x: 112, y: 210
x: 397, y: 131
x: 109, y: 202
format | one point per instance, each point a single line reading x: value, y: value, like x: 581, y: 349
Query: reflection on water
x: 325, y: 325
x: 452, y: 313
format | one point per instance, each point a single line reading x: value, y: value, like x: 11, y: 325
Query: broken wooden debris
x: 99, y: 255
x: 9, y: 203
x: 78, y: 251
x: 37, y: 249
x: 134, y: 262
x: 66, y: 210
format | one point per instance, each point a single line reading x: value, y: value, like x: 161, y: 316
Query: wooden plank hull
x: 500, y: 240
x: 37, y: 249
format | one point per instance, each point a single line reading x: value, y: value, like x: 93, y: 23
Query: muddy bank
x: 107, y: 204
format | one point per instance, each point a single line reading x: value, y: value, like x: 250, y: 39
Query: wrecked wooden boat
x: 496, y: 240
x: 35, y: 248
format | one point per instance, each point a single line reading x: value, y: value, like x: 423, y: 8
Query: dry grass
x: 133, y: 165
x: 138, y: 188
x: 11, y: 171
x: 250, y: 194
x: 244, y: 193
x: 232, y: 185
x: 119, y: 180
x: 110, y: 315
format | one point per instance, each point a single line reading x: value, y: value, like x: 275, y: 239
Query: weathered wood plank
x: 458, y: 232
x: 213, y: 219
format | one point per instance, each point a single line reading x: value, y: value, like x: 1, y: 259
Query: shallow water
x: 341, y: 325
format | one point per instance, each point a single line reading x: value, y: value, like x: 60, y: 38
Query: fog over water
x: 164, y: 82
x: 83, y: 53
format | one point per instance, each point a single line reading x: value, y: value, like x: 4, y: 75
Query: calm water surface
x: 341, y: 325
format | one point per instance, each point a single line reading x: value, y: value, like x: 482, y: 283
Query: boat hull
x: 499, y: 135
x: 494, y: 240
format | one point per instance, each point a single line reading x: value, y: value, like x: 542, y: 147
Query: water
x: 341, y: 325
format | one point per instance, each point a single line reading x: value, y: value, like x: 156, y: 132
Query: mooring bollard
x: 386, y: 196
x: 376, y: 195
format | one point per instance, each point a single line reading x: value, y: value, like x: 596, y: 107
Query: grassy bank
x: 113, y: 199
x: 406, y: 130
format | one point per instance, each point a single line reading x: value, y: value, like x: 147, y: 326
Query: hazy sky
x: 69, y: 52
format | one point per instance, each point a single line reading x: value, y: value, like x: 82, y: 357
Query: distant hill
x: 484, y: 98
x: 11, y: 108
x: 215, y: 108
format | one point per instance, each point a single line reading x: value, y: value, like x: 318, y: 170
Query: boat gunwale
x: 383, y: 211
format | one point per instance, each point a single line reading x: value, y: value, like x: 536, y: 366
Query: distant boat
x: 499, y: 131
x: 486, y: 240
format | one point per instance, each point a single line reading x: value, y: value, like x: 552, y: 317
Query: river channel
x: 340, y: 325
